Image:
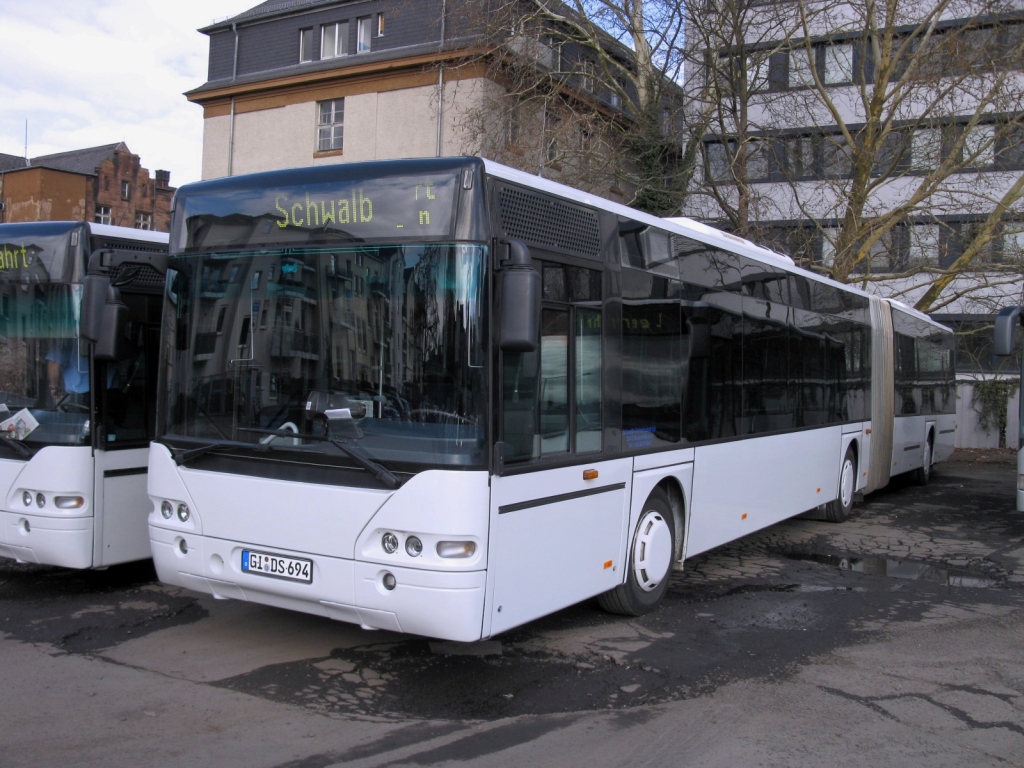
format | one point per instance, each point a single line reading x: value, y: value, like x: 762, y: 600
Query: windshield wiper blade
x: 378, y: 471
x: 194, y: 453
x: 17, y: 446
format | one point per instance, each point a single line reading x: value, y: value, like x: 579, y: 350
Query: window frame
x: 336, y: 135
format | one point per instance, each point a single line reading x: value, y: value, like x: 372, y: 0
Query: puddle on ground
x: 907, y: 570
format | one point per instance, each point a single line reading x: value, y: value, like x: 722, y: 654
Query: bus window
x: 554, y: 384
x: 588, y: 380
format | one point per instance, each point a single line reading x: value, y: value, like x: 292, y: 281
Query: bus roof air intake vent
x: 548, y: 222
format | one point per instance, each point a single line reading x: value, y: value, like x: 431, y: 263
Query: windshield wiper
x: 185, y: 456
x: 17, y: 446
x: 378, y: 471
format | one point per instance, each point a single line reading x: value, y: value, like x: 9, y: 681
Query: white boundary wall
x: 969, y: 433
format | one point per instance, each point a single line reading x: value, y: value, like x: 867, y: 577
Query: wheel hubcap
x: 846, y: 484
x: 652, y: 552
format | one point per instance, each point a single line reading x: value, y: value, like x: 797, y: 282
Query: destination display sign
x: 33, y: 258
x: 396, y: 207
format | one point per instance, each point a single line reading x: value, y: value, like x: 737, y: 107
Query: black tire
x: 924, y: 473
x: 838, y: 511
x: 644, y: 587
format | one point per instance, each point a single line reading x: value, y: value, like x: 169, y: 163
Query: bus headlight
x: 413, y: 546
x: 389, y: 543
x: 166, y: 509
x: 26, y: 498
x: 456, y: 549
x: 183, y: 513
x: 69, y: 502
x: 40, y: 500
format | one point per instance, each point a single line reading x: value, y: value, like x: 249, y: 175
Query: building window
x: 836, y: 157
x: 334, y: 40
x: 838, y: 63
x: 331, y: 125
x: 363, y: 35
x: 1013, y: 247
x: 102, y: 214
x: 380, y: 25
x: 979, y: 146
x: 801, y: 68
x: 923, y: 248
x: 144, y: 221
x: 925, y: 149
x: 757, y: 72
x: 587, y: 76
x: 126, y: 190
x: 306, y: 44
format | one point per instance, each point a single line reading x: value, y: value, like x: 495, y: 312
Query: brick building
x: 104, y: 184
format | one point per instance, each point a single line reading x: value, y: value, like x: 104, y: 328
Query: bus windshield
x: 394, y: 333
x: 44, y: 372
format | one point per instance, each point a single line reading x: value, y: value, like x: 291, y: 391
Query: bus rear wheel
x: 650, y: 561
x: 838, y: 511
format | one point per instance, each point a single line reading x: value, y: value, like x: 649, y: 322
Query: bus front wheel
x: 650, y: 561
x: 838, y: 511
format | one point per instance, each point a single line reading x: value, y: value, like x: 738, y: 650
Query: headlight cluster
x: 389, y: 542
x: 39, y: 500
x: 169, y: 509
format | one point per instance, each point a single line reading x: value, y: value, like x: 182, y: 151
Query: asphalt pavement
x: 895, y: 637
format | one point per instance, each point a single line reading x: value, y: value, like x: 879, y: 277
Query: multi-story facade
x: 797, y: 84
x: 106, y: 185
x: 294, y: 83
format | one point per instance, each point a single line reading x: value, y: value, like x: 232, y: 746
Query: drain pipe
x: 231, y: 125
x: 440, y: 80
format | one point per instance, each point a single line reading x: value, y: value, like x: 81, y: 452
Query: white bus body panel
x: 742, y: 486
x: 122, y: 530
x: 339, y: 528
x: 48, y: 535
x: 556, y: 539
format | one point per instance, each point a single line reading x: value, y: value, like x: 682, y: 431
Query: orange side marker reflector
x: 743, y: 516
x: 607, y: 564
x: 867, y: 431
x: 590, y: 474
x: 819, y: 490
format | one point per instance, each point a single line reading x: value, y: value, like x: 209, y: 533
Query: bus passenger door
x: 559, y: 507
x: 126, y: 420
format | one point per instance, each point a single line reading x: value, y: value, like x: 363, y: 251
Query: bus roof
x: 679, y: 225
x: 128, y: 233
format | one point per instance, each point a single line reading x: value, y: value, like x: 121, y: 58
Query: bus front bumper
x: 439, y: 604
x: 63, y: 541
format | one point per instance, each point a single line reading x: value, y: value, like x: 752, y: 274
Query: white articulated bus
x: 79, y: 305
x: 446, y: 397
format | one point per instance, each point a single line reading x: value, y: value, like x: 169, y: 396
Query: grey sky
x: 90, y: 73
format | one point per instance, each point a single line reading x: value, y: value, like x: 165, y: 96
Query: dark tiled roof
x: 11, y: 162
x: 339, y: 62
x: 84, y: 161
x: 269, y: 8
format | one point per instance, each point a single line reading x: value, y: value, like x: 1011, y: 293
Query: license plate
x: 265, y: 564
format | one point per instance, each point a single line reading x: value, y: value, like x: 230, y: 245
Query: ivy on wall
x: 989, y: 399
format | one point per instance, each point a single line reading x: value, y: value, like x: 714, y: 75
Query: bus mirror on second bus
x: 520, y: 300
x: 1006, y: 324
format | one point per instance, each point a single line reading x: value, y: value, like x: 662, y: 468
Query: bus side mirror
x: 519, y: 325
x: 104, y: 318
x: 1006, y: 324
